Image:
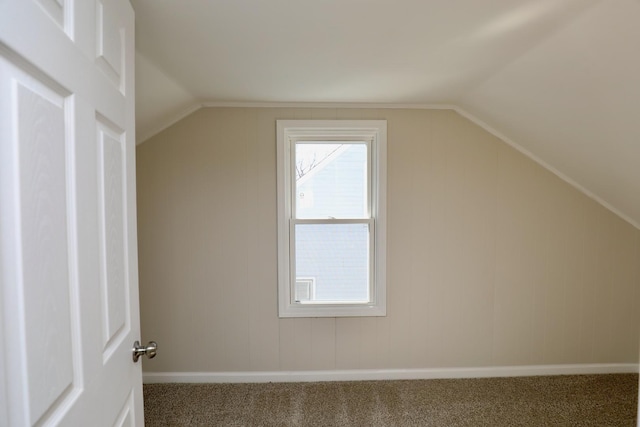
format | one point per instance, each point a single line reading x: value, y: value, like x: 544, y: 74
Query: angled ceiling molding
x: 464, y: 113
x: 544, y: 164
x: 171, y: 120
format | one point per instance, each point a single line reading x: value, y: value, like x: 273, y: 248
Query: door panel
x: 55, y: 9
x: 109, y: 40
x: 113, y: 280
x: 46, y: 284
x: 68, y: 264
x: 125, y: 417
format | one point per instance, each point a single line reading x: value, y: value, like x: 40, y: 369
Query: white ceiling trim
x: 142, y: 137
x: 479, y: 122
x: 363, y: 105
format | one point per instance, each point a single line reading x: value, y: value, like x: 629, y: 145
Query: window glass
x: 336, y: 257
x: 331, y: 180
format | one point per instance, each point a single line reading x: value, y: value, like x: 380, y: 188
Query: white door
x: 68, y: 253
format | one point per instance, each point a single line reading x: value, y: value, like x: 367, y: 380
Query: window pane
x: 331, y: 180
x: 335, y: 258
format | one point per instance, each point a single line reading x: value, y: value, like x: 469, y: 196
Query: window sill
x: 326, y: 310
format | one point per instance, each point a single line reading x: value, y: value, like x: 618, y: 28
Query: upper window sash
x: 326, y: 157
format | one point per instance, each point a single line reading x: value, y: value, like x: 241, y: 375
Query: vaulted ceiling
x: 558, y: 79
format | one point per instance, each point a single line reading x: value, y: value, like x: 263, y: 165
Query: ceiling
x: 558, y: 79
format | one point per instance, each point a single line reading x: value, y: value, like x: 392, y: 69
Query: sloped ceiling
x: 558, y: 79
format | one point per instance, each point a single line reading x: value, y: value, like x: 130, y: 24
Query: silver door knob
x: 150, y: 350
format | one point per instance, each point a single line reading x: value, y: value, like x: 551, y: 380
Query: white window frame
x: 374, y: 132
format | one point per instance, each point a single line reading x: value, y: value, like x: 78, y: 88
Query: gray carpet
x: 572, y: 400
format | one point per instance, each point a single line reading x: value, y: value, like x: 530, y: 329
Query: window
x: 331, y: 218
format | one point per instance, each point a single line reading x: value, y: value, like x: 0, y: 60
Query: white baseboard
x: 386, y: 374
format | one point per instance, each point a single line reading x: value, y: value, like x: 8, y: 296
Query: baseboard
x: 386, y: 374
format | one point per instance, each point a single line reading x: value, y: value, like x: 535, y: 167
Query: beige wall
x: 492, y: 260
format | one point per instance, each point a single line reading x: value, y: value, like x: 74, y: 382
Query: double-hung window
x: 331, y: 217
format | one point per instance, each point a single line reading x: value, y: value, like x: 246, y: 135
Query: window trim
x: 291, y: 131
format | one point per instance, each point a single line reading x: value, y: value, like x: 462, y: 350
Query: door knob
x: 150, y: 350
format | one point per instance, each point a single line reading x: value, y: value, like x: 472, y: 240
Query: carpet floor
x: 571, y: 400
